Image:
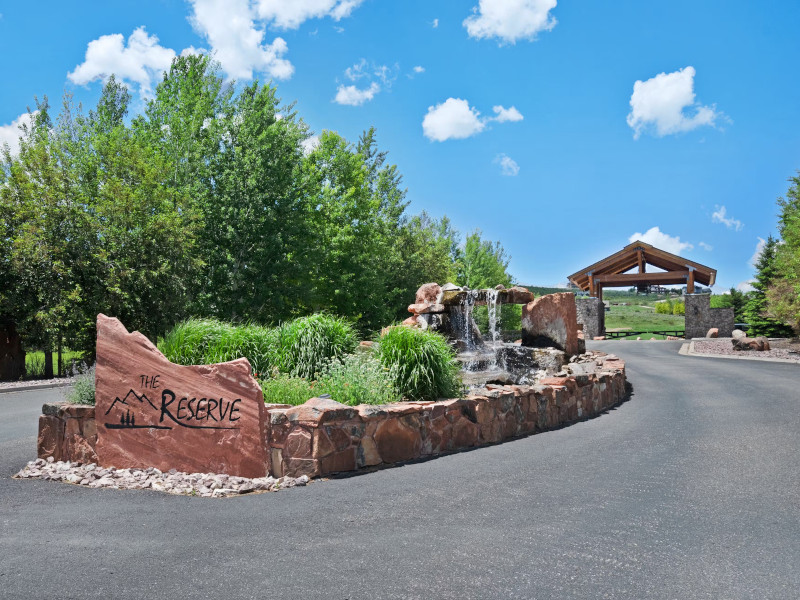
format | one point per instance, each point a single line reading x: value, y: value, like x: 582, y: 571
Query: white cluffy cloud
x: 757, y: 254
x: 660, y: 104
x: 238, y: 43
x: 141, y: 61
x: 293, y: 13
x: 720, y: 216
x: 456, y: 119
x: 510, y: 20
x: 746, y: 286
x: 350, y: 95
x: 655, y: 237
x: 10, y: 134
x: 704, y: 246
x: 506, y: 114
x: 310, y: 144
x: 508, y: 166
x: 419, y: 69
x: 435, y: 23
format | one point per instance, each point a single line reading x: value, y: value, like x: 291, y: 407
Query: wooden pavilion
x: 612, y: 271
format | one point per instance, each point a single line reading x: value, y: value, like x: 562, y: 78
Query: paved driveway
x: 688, y: 490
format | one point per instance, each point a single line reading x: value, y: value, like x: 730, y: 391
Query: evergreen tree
x: 755, y: 312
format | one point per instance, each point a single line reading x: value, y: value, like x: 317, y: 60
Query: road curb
x: 41, y: 386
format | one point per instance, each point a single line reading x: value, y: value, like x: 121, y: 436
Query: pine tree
x: 755, y: 310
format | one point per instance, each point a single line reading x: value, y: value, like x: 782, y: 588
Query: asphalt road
x: 688, y: 490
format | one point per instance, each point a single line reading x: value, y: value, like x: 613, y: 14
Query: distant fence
x: 611, y: 335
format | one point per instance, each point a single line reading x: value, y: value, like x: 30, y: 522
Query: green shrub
x: 82, y: 391
x: 421, y: 363
x: 306, y: 345
x: 208, y: 341
x: 664, y: 308
x: 358, y: 379
x: 678, y: 308
x: 285, y: 389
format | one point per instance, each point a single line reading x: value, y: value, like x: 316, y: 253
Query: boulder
x: 713, y: 333
x: 759, y: 344
x: 428, y: 294
x: 153, y: 413
x: 424, y: 309
x: 450, y: 287
x: 738, y: 333
x: 410, y: 322
x: 551, y: 321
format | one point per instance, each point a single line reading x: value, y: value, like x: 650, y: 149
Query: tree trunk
x: 48, y: 364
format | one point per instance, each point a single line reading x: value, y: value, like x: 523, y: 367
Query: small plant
x: 678, y: 308
x: 285, y: 389
x: 308, y: 344
x: 421, y: 363
x: 82, y: 391
x: 34, y: 365
x: 358, y: 379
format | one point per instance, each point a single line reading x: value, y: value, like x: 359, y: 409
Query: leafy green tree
x: 481, y: 263
x: 255, y: 221
x: 755, y: 311
x: 783, y: 294
x: 733, y: 299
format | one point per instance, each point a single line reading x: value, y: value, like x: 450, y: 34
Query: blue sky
x: 560, y: 129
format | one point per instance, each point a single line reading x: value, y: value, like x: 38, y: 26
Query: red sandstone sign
x: 153, y: 413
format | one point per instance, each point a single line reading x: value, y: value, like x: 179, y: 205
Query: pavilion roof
x: 611, y: 271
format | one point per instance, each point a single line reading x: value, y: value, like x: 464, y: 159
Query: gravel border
x: 207, y: 485
x: 720, y: 348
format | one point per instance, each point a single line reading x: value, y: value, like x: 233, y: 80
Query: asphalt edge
x: 41, y: 386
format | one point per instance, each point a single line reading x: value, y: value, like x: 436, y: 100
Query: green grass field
x: 641, y: 318
x: 34, y: 362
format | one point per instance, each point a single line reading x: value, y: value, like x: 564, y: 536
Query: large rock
x: 759, y: 344
x: 713, y: 332
x: 551, y: 321
x: 428, y: 293
x: 152, y: 413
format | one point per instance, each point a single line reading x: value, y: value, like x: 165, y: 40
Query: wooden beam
x: 640, y: 256
x: 626, y: 279
x: 690, y: 282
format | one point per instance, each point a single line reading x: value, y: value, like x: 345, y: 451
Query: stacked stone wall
x: 700, y: 317
x: 592, y: 314
x: 322, y: 437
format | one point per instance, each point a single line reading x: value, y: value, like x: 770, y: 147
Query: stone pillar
x: 700, y: 317
x: 592, y: 313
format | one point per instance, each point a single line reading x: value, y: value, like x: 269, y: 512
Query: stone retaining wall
x: 322, y: 437
x: 67, y: 432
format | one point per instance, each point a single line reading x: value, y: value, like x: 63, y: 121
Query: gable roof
x: 610, y: 272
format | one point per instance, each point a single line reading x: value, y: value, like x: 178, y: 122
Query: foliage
x: 82, y: 391
x: 286, y: 389
x: 481, y: 263
x: 755, y: 310
x: 208, y: 341
x: 207, y: 204
x: 664, y: 308
x: 307, y: 344
x: 358, y: 379
x: 421, y: 363
x: 783, y: 293
x: 678, y: 308
x: 733, y: 299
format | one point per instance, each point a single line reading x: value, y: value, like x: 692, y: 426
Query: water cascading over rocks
x: 485, y: 358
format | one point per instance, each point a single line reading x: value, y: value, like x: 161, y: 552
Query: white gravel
x: 210, y: 485
x: 724, y: 347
